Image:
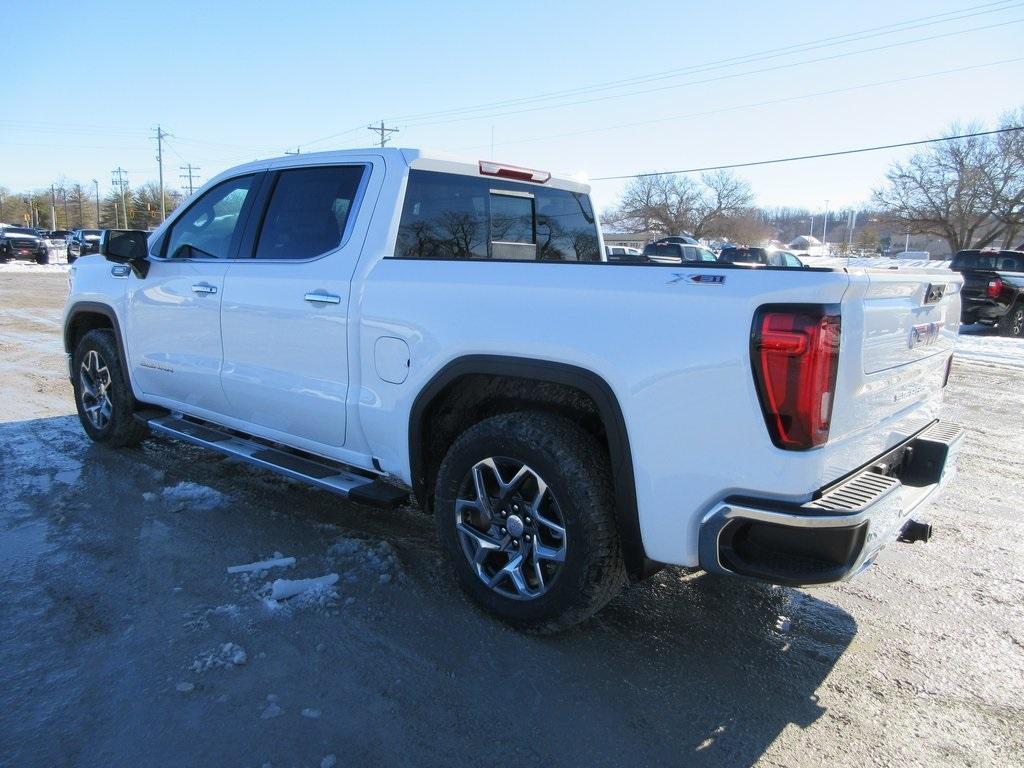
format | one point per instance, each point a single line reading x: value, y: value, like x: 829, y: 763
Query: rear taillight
x: 795, y: 356
x: 995, y: 287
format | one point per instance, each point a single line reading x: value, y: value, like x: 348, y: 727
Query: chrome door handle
x: 204, y: 288
x: 323, y: 298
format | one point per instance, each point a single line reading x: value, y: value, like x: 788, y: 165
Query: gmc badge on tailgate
x: 926, y: 333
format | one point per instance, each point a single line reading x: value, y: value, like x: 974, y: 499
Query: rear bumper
x: 838, y: 533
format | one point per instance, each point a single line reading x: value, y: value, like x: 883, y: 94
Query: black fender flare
x: 92, y: 308
x: 626, y: 513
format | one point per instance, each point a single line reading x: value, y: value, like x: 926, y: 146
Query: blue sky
x: 232, y: 81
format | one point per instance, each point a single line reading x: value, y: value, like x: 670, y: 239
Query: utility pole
x: 53, y: 207
x: 824, y: 230
x: 120, y: 180
x: 97, y: 185
x: 160, y: 164
x: 67, y: 216
x: 385, y: 133
x: 81, y: 213
x: 189, y: 168
x: 853, y: 223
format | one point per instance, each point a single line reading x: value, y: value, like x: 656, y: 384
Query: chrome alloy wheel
x: 511, y: 529
x: 94, y: 382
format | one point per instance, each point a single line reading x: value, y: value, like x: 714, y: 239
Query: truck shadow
x: 683, y: 669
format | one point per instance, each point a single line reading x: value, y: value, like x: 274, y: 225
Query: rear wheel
x: 1012, y: 323
x: 102, y: 395
x: 524, y: 510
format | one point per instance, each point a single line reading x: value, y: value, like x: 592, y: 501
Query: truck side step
x: 336, y: 478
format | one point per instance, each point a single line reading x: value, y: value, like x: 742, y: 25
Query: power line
x: 717, y: 78
x: 385, y: 133
x: 888, y: 29
x: 750, y: 105
x: 837, y: 153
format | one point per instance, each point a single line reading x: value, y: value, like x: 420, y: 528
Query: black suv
x: 82, y: 242
x: 993, y: 292
x: 22, y: 243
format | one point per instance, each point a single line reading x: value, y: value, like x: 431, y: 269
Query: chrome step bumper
x: 838, y: 533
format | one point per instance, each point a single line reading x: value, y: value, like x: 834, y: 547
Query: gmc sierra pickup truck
x: 993, y: 292
x: 380, y: 322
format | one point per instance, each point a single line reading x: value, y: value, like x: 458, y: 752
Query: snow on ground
x: 981, y: 345
x: 188, y: 495
x: 26, y: 267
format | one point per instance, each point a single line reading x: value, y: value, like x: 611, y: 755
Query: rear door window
x: 308, y: 211
x: 451, y: 216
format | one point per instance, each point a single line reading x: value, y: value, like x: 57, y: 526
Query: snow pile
x: 359, y: 558
x: 188, y: 495
x: 285, y: 596
x: 223, y: 657
x: 278, y: 561
x: 984, y: 346
x: 28, y: 266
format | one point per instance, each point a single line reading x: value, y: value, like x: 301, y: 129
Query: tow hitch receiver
x: 915, y: 530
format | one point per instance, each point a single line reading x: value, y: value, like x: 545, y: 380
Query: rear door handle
x: 323, y: 298
x: 204, y: 288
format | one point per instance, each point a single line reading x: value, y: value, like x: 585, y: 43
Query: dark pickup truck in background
x: 993, y: 291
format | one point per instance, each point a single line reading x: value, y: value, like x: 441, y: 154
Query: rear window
x: 450, y: 216
x: 997, y: 261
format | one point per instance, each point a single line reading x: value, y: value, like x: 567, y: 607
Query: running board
x: 331, y: 477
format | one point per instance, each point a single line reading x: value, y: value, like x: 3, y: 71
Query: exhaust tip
x: 915, y: 530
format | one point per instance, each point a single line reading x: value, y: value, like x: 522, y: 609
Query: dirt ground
x: 124, y: 641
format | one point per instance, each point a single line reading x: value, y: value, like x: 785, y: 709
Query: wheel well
x: 475, y: 388
x: 472, y: 398
x: 80, y: 324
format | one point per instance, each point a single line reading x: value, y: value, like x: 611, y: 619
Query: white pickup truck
x: 379, y: 321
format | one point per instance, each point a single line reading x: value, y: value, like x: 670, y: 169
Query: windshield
x: 20, y: 231
x: 92, y: 234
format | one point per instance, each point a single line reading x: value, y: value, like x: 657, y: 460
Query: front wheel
x: 102, y: 394
x: 1012, y: 323
x: 524, y: 511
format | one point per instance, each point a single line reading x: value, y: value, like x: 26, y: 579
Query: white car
x: 381, y: 321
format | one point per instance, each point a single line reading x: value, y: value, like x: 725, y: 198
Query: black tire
x: 576, y: 471
x: 1012, y: 323
x: 42, y: 259
x: 119, y: 428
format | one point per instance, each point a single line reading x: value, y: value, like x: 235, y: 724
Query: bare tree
x: 967, y: 191
x: 672, y: 204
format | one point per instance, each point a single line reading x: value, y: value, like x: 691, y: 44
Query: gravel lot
x: 124, y: 640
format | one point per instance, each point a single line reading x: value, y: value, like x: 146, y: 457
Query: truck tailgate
x: 899, y: 328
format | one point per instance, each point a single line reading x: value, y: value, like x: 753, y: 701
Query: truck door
x: 285, y: 313
x: 173, y: 314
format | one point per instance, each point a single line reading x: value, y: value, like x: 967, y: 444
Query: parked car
x: 82, y: 242
x: 743, y: 255
x: 684, y: 239
x: 623, y: 253
x: 22, y: 243
x: 663, y: 252
x: 993, y: 292
x: 783, y: 259
x: 568, y: 422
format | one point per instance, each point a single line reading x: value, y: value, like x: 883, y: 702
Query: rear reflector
x: 795, y: 356
x: 513, y: 172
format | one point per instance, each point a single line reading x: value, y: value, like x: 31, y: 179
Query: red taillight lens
x: 995, y: 287
x: 795, y: 354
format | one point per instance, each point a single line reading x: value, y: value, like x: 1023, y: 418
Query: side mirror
x: 126, y: 246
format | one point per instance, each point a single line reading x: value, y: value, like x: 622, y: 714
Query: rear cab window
x: 452, y: 216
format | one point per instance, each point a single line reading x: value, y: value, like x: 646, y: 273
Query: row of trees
x: 954, y: 194
x: 70, y: 205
